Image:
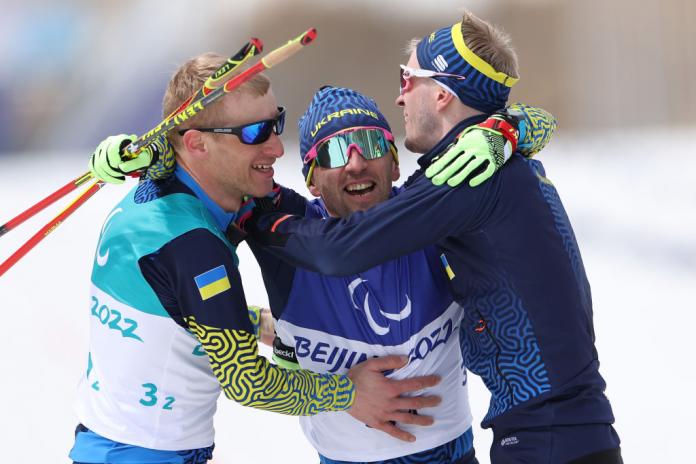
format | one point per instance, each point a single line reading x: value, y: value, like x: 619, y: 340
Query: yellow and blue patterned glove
x: 481, y: 150
x: 163, y: 165
x: 536, y: 127
x: 255, y: 318
x: 108, y: 164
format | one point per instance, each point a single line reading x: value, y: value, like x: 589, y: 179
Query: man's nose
x: 356, y: 161
x: 274, y: 146
x: 399, y: 100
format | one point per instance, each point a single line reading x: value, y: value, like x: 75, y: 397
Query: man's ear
x: 313, y: 188
x: 443, y: 98
x: 195, y: 144
x: 396, y: 172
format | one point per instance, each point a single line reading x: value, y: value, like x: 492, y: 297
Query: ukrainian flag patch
x: 212, y: 282
x: 445, y: 264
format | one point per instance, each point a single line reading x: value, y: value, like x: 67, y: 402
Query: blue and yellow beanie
x: 334, y: 109
x: 484, y: 88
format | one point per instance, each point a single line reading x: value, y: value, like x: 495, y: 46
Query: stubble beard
x: 425, y: 128
x: 342, y: 207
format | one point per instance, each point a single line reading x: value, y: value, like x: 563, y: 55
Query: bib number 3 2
x: 150, y: 397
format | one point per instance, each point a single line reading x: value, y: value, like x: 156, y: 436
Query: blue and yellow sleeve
x: 251, y: 380
x: 197, y: 280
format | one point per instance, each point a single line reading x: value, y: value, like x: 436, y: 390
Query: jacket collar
x: 222, y: 217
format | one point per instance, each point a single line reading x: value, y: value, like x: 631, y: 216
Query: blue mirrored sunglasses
x: 253, y: 133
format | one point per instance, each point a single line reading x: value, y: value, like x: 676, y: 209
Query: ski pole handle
x: 275, y: 57
x: 286, y: 51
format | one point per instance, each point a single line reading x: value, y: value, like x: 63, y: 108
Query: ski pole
x: 251, y: 48
x: 49, y: 200
x: 278, y: 55
x: 50, y: 227
x: 220, y: 76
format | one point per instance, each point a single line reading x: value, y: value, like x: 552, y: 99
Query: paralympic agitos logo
x: 379, y: 329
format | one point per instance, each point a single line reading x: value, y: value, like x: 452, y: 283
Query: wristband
x: 284, y: 355
x: 505, y: 129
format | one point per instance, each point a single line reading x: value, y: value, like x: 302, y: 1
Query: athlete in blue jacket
x: 508, y: 249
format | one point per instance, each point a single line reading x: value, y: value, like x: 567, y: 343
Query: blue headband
x: 484, y: 88
x: 333, y: 109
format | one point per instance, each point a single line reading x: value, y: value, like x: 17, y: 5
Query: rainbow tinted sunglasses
x: 334, y: 151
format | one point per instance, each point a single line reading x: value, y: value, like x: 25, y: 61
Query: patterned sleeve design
x: 252, y: 380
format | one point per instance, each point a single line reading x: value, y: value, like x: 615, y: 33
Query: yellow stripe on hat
x: 479, y: 64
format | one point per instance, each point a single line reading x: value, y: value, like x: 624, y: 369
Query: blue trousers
x: 92, y: 448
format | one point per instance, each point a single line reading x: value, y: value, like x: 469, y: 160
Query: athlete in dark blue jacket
x: 508, y: 248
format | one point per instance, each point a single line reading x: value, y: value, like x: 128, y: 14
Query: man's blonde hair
x: 189, y: 78
x: 488, y: 42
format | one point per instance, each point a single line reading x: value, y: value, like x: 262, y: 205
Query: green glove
x: 476, y: 155
x: 107, y: 163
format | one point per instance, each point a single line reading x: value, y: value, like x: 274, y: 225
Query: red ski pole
x: 50, y: 227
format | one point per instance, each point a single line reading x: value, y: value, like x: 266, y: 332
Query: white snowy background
x: 630, y: 197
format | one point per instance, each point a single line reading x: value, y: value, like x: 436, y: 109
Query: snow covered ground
x: 630, y: 197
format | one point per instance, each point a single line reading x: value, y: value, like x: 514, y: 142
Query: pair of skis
x: 216, y: 86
